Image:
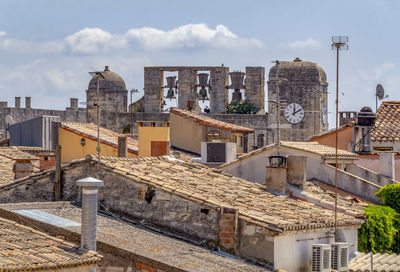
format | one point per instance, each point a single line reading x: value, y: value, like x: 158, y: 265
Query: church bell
x: 171, y: 85
x: 203, y: 83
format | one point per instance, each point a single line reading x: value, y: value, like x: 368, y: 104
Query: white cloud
x: 301, y: 44
x: 93, y: 40
x: 2, y: 33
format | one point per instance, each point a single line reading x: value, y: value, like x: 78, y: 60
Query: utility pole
x: 99, y: 77
x: 278, y: 106
x: 338, y: 43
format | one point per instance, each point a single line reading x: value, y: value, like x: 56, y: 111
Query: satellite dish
x: 380, y: 92
x: 9, y: 120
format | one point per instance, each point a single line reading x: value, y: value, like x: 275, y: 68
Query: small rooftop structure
x: 23, y: 248
x: 9, y: 156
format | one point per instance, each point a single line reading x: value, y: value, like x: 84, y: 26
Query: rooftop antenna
x: 338, y: 43
x: 379, y: 94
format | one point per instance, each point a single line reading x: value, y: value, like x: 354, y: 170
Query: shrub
x: 390, y: 195
x: 380, y: 232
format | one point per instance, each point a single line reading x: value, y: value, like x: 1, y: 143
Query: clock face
x: 324, y: 114
x: 294, y: 113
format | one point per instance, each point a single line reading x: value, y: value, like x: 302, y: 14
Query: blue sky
x: 47, y: 47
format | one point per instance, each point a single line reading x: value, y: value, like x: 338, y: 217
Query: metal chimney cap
x: 89, y: 182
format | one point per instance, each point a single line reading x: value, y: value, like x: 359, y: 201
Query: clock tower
x: 300, y: 87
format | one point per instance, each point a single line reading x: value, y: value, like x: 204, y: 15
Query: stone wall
x: 110, y: 101
x: 258, y: 122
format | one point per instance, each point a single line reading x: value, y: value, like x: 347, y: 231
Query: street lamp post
x: 338, y: 43
x: 99, y: 77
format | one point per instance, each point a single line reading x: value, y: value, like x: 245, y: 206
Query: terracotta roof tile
x: 106, y: 136
x: 8, y: 156
x: 387, y: 124
x: 200, y: 183
x: 23, y: 248
x: 382, y: 263
x: 207, y: 121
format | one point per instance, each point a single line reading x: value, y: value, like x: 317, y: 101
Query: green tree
x: 246, y: 107
x: 380, y: 232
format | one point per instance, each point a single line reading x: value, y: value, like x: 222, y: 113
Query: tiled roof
x: 346, y: 202
x: 387, y: 124
x: 161, y: 250
x: 24, y: 249
x: 207, y: 121
x: 319, y: 149
x: 8, y: 156
x: 15, y: 153
x: 210, y: 186
x: 382, y: 263
x: 312, y: 147
x: 107, y: 136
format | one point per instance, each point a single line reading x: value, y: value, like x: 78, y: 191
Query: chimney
x: 17, y: 102
x: 296, y: 171
x: 74, y: 104
x: 3, y: 104
x: 276, y: 174
x: 22, y: 168
x: 386, y: 164
x: 27, y: 102
x: 122, y: 146
x: 361, y: 131
x: 90, y: 189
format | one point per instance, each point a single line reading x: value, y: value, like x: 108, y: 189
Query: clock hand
x: 297, y: 111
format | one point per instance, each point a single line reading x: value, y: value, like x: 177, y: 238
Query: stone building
x: 112, y: 95
x: 303, y: 99
x: 302, y: 95
x: 205, y: 206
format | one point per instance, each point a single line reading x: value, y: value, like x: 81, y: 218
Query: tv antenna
x: 379, y: 94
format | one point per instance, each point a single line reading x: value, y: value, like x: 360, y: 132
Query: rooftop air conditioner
x: 218, y: 152
x: 340, y: 256
x: 321, y: 258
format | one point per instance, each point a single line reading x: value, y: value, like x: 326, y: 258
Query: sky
x: 48, y: 47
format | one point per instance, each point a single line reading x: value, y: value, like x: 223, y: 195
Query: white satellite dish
x: 380, y: 92
x: 9, y: 120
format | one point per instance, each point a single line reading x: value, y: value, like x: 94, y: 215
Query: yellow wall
x: 187, y: 134
x: 149, y: 134
x: 71, y: 148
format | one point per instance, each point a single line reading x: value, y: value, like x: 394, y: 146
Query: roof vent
x: 297, y: 59
x: 106, y: 68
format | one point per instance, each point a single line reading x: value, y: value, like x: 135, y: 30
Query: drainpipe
x: 90, y: 189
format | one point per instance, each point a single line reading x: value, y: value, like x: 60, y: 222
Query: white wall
x: 293, y: 252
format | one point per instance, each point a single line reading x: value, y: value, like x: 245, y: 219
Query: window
x: 240, y: 143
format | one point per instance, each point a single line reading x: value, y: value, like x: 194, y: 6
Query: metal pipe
x: 98, y: 128
x: 90, y: 188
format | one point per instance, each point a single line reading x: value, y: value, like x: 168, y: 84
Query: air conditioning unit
x: 340, y: 256
x: 218, y: 152
x: 321, y: 258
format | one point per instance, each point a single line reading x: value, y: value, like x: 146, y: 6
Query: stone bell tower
x: 303, y: 99
x: 112, y: 95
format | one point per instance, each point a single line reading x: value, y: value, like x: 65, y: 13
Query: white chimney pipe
x: 90, y: 188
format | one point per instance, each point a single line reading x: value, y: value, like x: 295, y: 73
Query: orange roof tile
x: 24, y: 249
x: 387, y: 125
x: 207, y: 121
